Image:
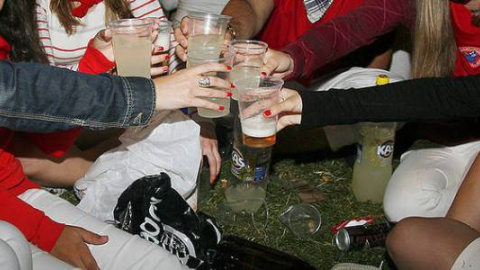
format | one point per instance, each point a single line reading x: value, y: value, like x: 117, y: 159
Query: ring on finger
x: 204, y: 81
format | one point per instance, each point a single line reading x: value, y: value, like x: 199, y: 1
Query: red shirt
x: 288, y: 20
x: 34, y: 224
x: 334, y: 39
x: 467, y: 38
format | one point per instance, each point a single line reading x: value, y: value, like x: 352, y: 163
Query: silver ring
x: 204, y: 81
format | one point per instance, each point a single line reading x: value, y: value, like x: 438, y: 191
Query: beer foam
x: 259, y: 127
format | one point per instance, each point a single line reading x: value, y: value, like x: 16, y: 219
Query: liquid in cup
x: 206, y: 31
x: 132, y: 46
x: 257, y: 130
x: 212, y: 57
x: 247, y: 62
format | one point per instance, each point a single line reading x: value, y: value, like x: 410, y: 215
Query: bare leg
x: 468, y: 197
x: 428, y: 243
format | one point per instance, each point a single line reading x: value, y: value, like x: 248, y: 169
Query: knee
x: 403, y: 237
x: 420, y: 192
x: 8, y: 232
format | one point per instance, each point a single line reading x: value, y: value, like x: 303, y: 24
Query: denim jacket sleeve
x: 39, y: 98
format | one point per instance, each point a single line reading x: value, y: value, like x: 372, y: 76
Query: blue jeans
x: 40, y: 98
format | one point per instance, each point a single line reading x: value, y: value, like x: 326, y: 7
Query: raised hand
x: 289, y: 111
x: 277, y: 64
x: 183, y: 88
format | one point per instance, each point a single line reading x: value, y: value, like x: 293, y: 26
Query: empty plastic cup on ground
x: 303, y: 219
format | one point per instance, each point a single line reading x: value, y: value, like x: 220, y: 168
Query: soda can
x: 352, y: 222
x: 363, y: 236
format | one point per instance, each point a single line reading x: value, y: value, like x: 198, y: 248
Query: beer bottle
x: 240, y: 254
x: 245, y: 190
x: 373, y: 165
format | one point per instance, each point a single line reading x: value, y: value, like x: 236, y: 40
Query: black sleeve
x: 412, y: 100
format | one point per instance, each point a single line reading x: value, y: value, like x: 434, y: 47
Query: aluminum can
x: 363, y: 236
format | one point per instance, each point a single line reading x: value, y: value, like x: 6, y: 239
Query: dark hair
x: 18, y: 26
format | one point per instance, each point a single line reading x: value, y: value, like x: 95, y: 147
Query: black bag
x: 151, y: 208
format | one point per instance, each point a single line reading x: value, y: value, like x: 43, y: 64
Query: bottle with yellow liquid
x: 373, y: 166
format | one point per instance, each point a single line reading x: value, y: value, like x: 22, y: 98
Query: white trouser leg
x: 427, y: 180
x: 123, y: 250
x: 44, y: 261
x: 14, y: 249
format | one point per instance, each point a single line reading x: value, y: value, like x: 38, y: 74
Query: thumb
x: 93, y: 238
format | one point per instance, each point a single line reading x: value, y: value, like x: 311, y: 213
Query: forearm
x: 34, y: 224
x: 413, y: 100
x: 248, y: 16
x: 336, y: 38
x: 39, y: 98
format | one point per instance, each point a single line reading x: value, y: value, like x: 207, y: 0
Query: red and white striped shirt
x: 65, y: 50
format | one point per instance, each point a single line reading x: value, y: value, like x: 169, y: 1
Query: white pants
x: 122, y: 251
x: 427, y: 180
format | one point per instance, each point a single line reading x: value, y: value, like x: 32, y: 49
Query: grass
x: 329, y: 176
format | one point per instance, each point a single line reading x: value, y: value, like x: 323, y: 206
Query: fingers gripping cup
x: 207, y: 78
x: 257, y: 130
x: 248, y: 59
x: 206, y: 32
x: 132, y: 46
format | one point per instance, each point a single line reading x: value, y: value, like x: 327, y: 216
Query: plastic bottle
x: 373, y: 166
x: 240, y: 254
x: 246, y: 188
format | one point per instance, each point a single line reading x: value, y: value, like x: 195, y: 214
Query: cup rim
x: 132, y: 22
x: 248, y: 41
x: 206, y: 15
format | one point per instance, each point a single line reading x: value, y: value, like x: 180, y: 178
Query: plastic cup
x: 303, y: 219
x: 247, y: 61
x: 206, y: 31
x: 255, y: 95
x: 212, y: 57
x: 164, y: 34
x: 132, y: 46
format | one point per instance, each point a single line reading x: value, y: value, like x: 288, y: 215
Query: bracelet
x: 232, y: 31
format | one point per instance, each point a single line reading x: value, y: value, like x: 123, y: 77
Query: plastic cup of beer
x: 206, y: 31
x: 211, y: 56
x: 132, y: 46
x: 247, y: 61
x: 253, y: 100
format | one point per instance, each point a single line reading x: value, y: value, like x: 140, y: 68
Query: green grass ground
x: 326, y: 175
x: 329, y: 176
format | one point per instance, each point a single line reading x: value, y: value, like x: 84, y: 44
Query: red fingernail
x: 167, y: 57
x: 229, y: 94
x: 267, y: 113
x: 263, y: 74
x: 221, y: 108
x: 159, y: 49
x: 229, y: 68
x: 232, y: 85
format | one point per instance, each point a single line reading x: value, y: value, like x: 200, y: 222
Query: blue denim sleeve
x: 40, y: 98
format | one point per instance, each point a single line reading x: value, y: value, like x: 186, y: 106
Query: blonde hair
x: 115, y: 9
x: 434, y: 48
